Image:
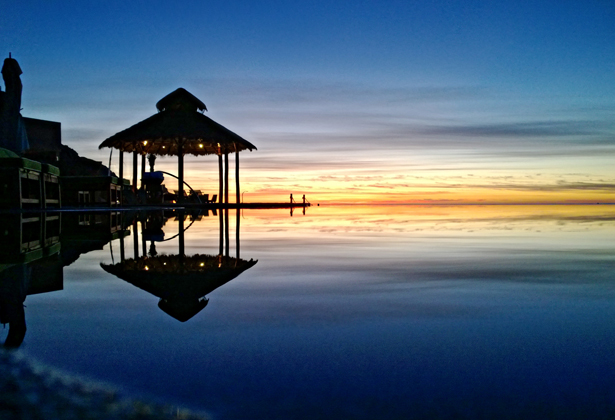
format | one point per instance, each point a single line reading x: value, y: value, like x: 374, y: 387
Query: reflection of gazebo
x: 181, y: 282
x: 178, y: 129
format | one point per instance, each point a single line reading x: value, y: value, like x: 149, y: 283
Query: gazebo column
x: 236, y: 175
x: 220, y: 179
x: 237, y: 218
x: 134, y: 171
x: 221, y: 232
x: 182, y: 248
x: 135, y: 239
x: 121, y: 164
x: 226, y: 177
x: 122, y: 247
x: 226, y: 234
x: 142, y: 171
x: 180, y: 171
x: 121, y: 177
x: 143, y: 241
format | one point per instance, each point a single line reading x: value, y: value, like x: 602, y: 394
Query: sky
x: 347, y: 101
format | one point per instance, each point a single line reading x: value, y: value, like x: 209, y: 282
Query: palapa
x: 180, y: 128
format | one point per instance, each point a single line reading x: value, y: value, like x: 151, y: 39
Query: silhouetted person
x: 291, y: 199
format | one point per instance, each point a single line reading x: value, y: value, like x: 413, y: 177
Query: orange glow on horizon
x: 388, y: 186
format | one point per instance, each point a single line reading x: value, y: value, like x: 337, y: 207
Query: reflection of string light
x: 201, y: 146
x: 145, y: 143
x: 146, y: 268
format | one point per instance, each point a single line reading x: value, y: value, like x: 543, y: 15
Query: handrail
x: 174, y: 176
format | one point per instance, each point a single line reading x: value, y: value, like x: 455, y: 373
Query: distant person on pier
x: 291, y: 199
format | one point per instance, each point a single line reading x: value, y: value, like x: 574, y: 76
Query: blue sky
x: 421, y: 97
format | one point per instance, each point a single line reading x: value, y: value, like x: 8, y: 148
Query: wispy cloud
x: 524, y: 129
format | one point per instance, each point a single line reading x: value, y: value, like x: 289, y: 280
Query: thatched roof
x: 181, y: 98
x: 179, y: 122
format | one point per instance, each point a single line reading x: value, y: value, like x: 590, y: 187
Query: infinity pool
x: 392, y: 312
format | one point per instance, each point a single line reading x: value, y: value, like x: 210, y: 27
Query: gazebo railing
x: 193, y: 192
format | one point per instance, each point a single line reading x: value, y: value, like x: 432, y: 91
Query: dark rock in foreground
x: 28, y: 391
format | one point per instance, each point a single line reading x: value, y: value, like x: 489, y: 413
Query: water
x: 356, y: 313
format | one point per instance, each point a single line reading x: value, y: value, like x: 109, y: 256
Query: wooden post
x: 226, y: 233
x: 143, y: 241
x: 121, y: 177
x: 134, y: 171
x: 236, y: 175
x: 226, y: 178
x: 221, y: 233
x: 180, y: 171
x: 237, y: 218
x: 122, y: 247
x: 221, y: 180
x: 182, y: 250
x: 136, y: 239
x: 142, y: 171
x: 121, y: 164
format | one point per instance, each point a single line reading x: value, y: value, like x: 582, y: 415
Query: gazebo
x: 180, y: 128
x: 182, y: 282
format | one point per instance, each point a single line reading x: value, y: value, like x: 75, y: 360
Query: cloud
x: 309, y: 115
x: 535, y: 129
x: 558, y: 186
x: 301, y: 93
x: 83, y: 134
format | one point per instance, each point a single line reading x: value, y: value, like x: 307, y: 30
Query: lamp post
x: 242, y: 195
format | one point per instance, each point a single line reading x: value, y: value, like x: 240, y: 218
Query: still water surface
x: 358, y: 313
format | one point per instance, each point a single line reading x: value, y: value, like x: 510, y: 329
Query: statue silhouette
x: 13, y: 131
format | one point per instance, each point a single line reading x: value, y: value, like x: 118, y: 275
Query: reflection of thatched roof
x: 178, y: 122
x: 180, y: 283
